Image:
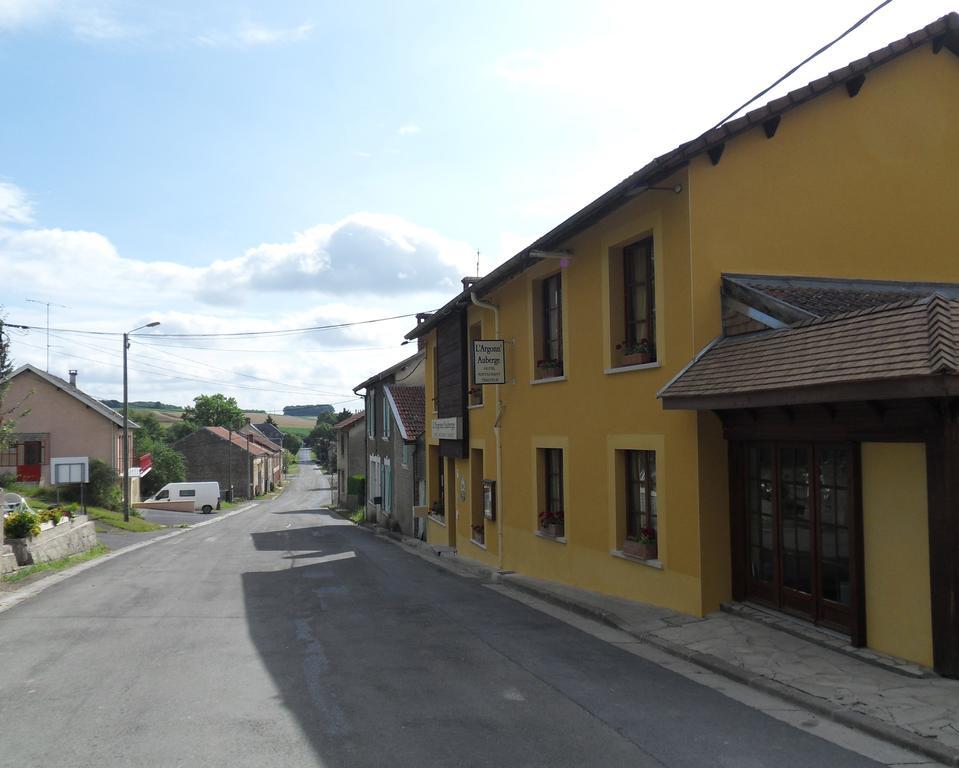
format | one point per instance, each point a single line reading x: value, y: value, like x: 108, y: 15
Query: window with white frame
x: 387, y: 486
x: 374, y: 484
x: 386, y: 416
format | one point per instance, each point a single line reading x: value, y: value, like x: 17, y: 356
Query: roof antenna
x: 477, y: 262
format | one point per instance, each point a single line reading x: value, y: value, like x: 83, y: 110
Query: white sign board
x: 489, y: 361
x: 70, y: 469
x: 448, y: 429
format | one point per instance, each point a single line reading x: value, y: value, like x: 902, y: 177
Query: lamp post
x: 126, y: 422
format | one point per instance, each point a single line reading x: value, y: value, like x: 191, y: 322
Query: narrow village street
x: 285, y: 636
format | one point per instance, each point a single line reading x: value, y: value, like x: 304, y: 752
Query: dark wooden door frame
x: 819, y: 611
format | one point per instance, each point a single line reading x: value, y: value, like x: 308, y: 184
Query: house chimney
x: 73, y: 378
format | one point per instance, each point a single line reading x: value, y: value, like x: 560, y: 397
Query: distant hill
x: 142, y: 405
x: 307, y: 410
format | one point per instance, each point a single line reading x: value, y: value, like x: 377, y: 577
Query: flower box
x: 556, y: 530
x: 637, y: 358
x: 646, y: 550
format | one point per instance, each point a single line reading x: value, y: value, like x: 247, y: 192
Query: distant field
x: 298, y: 425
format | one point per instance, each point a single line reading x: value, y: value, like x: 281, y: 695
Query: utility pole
x: 249, y: 469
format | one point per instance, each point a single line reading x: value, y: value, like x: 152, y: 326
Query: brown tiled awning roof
x: 793, y: 298
x: 942, y: 33
x: 906, y: 349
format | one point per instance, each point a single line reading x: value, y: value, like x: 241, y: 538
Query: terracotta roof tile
x: 237, y: 440
x: 350, y: 420
x: 409, y: 407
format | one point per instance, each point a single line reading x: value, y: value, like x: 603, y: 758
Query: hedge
x: 356, y: 486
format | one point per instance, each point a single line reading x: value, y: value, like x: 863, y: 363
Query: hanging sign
x: 489, y: 361
x: 448, y: 429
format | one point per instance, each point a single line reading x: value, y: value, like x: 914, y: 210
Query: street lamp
x: 126, y: 423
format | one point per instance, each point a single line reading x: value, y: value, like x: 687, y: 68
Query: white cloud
x: 409, y: 129
x: 364, y: 266
x: 252, y: 35
x: 15, y: 207
x: 89, y: 21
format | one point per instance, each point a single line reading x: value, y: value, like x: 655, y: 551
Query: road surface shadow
x: 385, y: 660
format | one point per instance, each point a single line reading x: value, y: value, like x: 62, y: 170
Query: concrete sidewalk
x: 894, y: 701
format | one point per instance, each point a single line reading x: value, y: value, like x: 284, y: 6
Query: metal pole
x: 126, y: 435
x: 229, y: 453
x: 249, y: 469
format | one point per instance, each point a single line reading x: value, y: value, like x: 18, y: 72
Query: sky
x: 232, y: 167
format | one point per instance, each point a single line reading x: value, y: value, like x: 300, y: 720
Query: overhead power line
x: 230, y: 335
x: 802, y: 63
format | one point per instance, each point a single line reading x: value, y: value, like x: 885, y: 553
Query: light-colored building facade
x: 55, y: 419
x: 574, y: 471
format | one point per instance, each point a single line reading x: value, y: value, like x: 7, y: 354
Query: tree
x: 149, y: 424
x: 9, y: 413
x: 214, y: 411
x: 292, y: 443
x: 179, y: 430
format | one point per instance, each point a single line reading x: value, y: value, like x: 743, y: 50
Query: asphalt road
x: 284, y: 636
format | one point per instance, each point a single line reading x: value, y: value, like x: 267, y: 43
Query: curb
x: 856, y: 720
x: 15, y: 598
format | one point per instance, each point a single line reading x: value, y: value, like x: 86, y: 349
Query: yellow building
x: 662, y: 432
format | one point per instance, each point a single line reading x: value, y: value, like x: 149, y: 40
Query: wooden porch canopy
x: 909, y: 349
x: 889, y: 372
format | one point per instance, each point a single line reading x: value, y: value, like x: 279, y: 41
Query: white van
x: 205, y: 496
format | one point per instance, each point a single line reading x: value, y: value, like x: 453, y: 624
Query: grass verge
x: 358, y: 516
x: 55, y: 565
x: 135, y: 525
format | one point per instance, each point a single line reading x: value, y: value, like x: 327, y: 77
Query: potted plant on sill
x: 547, y: 369
x: 479, y: 533
x: 552, y: 523
x: 642, y: 545
x: 635, y: 353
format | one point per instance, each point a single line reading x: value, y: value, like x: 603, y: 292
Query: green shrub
x: 356, y: 486
x: 6, y: 479
x: 21, y: 524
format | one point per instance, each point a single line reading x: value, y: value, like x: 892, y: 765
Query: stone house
x: 394, y: 445
x: 350, y: 456
x: 233, y: 460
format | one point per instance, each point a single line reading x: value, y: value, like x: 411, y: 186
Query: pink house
x: 60, y: 421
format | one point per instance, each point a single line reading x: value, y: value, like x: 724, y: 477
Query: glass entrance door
x: 798, y: 499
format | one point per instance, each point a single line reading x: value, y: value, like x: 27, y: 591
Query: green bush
x: 21, y: 524
x: 356, y: 486
x: 7, y: 479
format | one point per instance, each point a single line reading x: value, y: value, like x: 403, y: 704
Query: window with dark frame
x: 640, y: 296
x: 441, y: 487
x: 640, y: 492
x: 552, y: 362
x: 553, y: 512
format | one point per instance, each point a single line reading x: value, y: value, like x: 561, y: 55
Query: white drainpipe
x: 496, y: 432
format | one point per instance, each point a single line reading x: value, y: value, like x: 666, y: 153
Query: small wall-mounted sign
x: 450, y: 428
x: 462, y: 488
x: 489, y: 499
x: 489, y: 361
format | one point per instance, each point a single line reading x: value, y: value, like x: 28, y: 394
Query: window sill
x: 557, y: 539
x: 474, y: 405
x: 627, y: 368
x: 479, y: 544
x: 657, y: 564
x: 438, y: 520
x: 548, y: 379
